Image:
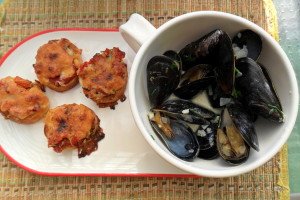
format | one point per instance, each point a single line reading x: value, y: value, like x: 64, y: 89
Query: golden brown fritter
x: 104, y: 77
x: 57, y: 63
x: 21, y: 100
x: 73, y: 126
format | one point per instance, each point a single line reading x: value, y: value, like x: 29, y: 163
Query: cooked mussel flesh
x: 178, y: 138
x: 235, y: 134
x: 231, y: 146
x: 243, y: 121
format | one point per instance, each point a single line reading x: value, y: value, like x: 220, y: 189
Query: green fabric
x: 289, y: 31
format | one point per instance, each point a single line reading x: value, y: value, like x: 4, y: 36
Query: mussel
x: 215, y: 48
x: 257, y: 92
x: 201, y: 121
x: 186, y: 111
x: 196, y: 79
x: 231, y: 146
x: 224, y: 65
x: 177, y: 137
x: 243, y: 121
x: 247, y: 43
x: 163, y: 76
x: 236, y: 134
x: 227, y: 70
x: 201, y: 51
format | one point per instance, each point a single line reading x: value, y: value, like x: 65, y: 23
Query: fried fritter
x: 21, y: 100
x: 104, y: 78
x: 57, y: 63
x: 73, y: 126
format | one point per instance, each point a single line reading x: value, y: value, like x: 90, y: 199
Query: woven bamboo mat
x: 23, y: 18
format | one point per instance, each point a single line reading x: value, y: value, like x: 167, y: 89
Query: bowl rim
x: 206, y: 172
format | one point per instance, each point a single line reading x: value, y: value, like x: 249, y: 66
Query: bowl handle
x: 136, y: 31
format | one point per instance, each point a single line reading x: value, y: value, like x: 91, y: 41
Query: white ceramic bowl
x: 174, y: 35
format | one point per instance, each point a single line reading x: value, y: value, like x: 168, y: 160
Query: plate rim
x: 45, y: 173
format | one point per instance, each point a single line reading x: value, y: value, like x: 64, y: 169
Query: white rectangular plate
x: 123, y: 151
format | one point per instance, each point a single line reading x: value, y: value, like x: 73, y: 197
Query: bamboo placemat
x: 20, y: 19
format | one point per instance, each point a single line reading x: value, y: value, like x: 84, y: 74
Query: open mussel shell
x: 178, y: 138
x: 257, y: 93
x: 243, y: 121
x: 231, y: 146
x: 236, y: 134
x: 187, y: 111
x: 163, y: 76
x: 247, y: 43
x: 196, y: 79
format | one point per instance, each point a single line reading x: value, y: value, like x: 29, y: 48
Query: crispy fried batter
x: 57, y: 63
x: 104, y: 78
x: 21, y: 100
x: 73, y: 126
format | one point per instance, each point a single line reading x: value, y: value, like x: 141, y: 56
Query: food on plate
x: 73, y: 126
x: 57, y: 63
x: 236, y: 85
x: 104, y: 77
x: 21, y: 100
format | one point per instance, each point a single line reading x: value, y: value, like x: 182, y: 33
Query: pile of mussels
x: 235, y: 83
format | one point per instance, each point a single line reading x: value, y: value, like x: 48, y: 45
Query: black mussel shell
x: 247, y: 43
x: 201, y: 51
x: 163, y: 77
x: 215, y: 48
x: 224, y: 64
x: 266, y: 73
x: 174, y: 56
x: 186, y: 111
x: 257, y: 93
x: 243, y: 121
x: 206, y: 135
x: 216, y: 97
x: 190, y: 90
x: 196, y: 79
x: 195, y: 73
x: 182, y: 143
